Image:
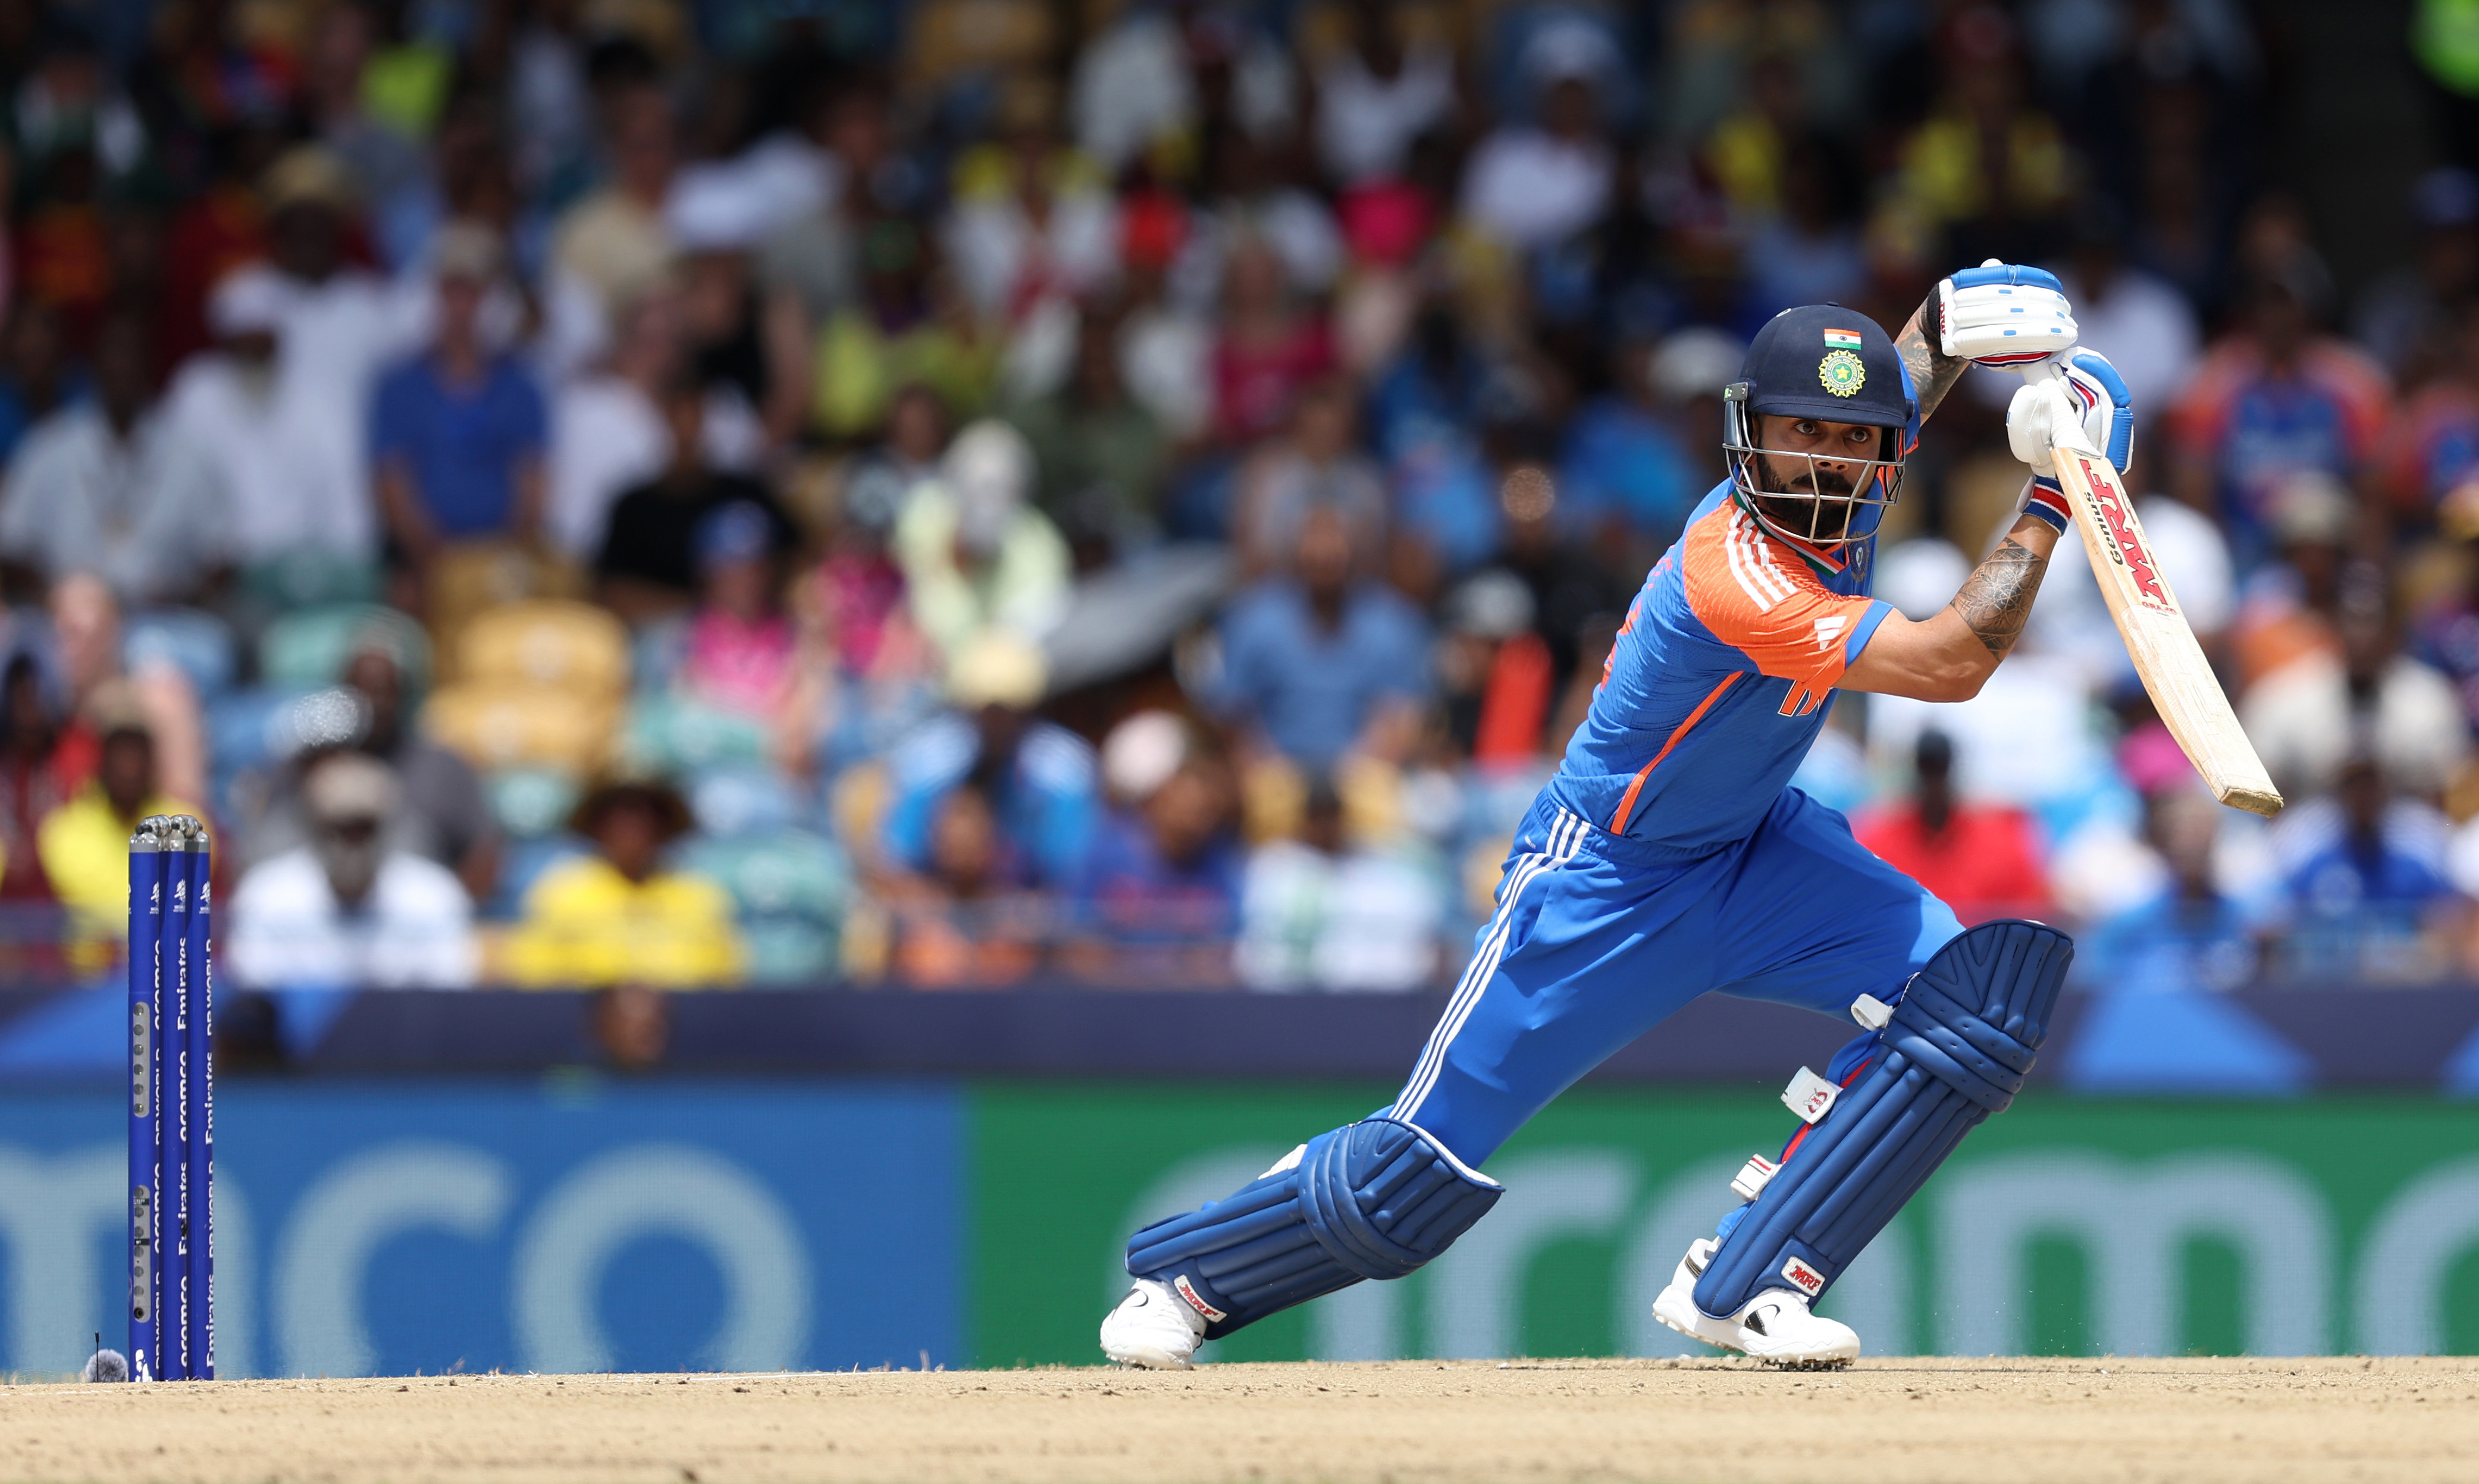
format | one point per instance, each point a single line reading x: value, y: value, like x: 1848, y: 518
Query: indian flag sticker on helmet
x: 1841, y: 373
x: 1842, y: 340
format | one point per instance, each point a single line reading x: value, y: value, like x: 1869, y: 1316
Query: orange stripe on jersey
x: 1760, y: 599
x: 1626, y: 803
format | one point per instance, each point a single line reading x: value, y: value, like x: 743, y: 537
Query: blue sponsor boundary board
x: 575, y: 1223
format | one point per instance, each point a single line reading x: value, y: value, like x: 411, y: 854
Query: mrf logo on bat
x: 2125, y: 542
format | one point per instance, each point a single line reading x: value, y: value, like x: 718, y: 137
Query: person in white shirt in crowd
x: 608, y: 433
x: 279, y: 410
x: 1531, y: 185
x: 344, y: 910
x: 243, y: 413
x: 340, y: 324
x: 1377, y: 94
x: 112, y: 486
x: 1324, y: 913
x: 1135, y: 84
x: 2309, y: 717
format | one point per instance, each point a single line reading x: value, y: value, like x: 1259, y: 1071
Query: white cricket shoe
x: 1152, y: 1329
x: 1776, y: 1325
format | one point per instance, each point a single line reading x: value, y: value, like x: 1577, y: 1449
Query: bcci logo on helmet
x: 1842, y: 373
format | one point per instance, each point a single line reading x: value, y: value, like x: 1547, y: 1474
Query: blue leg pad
x: 1962, y: 1039
x: 1373, y: 1199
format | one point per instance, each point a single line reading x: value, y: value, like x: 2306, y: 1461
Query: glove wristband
x: 2046, y: 501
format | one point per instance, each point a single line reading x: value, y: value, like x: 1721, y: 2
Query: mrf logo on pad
x: 1196, y: 1301
x: 1808, y: 1280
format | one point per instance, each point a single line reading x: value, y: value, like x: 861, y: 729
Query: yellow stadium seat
x: 546, y: 644
x: 506, y: 723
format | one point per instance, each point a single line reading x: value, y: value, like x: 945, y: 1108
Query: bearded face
x: 1824, y: 519
x: 1810, y: 478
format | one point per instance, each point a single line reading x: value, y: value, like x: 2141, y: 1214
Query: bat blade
x: 2157, y: 637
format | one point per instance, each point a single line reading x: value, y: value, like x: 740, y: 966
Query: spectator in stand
x: 2308, y: 719
x: 1572, y: 585
x: 35, y: 376
x: 911, y: 326
x: 446, y: 814
x: 976, y: 552
x: 1981, y: 860
x: 2146, y: 324
x: 1623, y: 477
x: 1376, y: 94
x: 443, y: 813
x: 1269, y: 344
x: 1809, y: 251
x: 1102, y: 454
x: 967, y: 918
x: 811, y: 257
x: 1032, y: 219
x: 37, y: 774
x: 1987, y: 166
x: 457, y: 432
x: 2431, y: 451
x: 610, y: 432
x: 2365, y: 909
x: 1496, y: 680
x: 2271, y: 399
x: 84, y: 843
x: 1248, y: 193
x: 1315, y: 466
x: 87, y: 646
x: 2290, y: 609
x: 347, y: 911
x: 1159, y: 74
x: 1321, y: 913
x: 2193, y: 933
x: 337, y: 326
x: 618, y: 915
x: 2447, y: 633
x: 1037, y: 779
x: 740, y: 644
x: 613, y: 244
x: 382, y: 161
x: 1534, y: 185
x: 647, y: 567
x: 1160, y: 896
x: 2408, y: 318
x: 1319, y: 662
x: 112, y: 486
x: 252, y: 416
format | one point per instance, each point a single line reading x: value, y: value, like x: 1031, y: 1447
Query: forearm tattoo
x: 1997, y: 601
x: 1934, y: 372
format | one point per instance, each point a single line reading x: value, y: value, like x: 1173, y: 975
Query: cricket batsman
x: 1670, y: 858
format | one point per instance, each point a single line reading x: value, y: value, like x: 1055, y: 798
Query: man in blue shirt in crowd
x: 1038, y: 777
x: 457, y: 432
x: 1323, y: 662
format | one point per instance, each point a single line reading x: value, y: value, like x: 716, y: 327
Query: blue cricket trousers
x: 1598, y: 939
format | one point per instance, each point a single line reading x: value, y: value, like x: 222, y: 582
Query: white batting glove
x: 2003, y: 314
x: 2096, y: 394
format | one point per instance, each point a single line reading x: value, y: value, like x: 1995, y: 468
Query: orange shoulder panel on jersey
x: 1762, y: 601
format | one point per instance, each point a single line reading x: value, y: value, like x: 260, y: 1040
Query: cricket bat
x: 2179, y: 680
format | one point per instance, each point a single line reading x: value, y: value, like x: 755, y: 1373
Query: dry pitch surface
x: 1908, y: 1420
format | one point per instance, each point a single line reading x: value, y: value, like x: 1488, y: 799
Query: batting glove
x: 2004, y: 314
x: 2099, y: 395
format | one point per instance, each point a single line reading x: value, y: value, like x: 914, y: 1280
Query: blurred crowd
x: 1137, y: 491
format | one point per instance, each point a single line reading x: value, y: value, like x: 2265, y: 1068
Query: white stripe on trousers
x: 1565, y: 837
